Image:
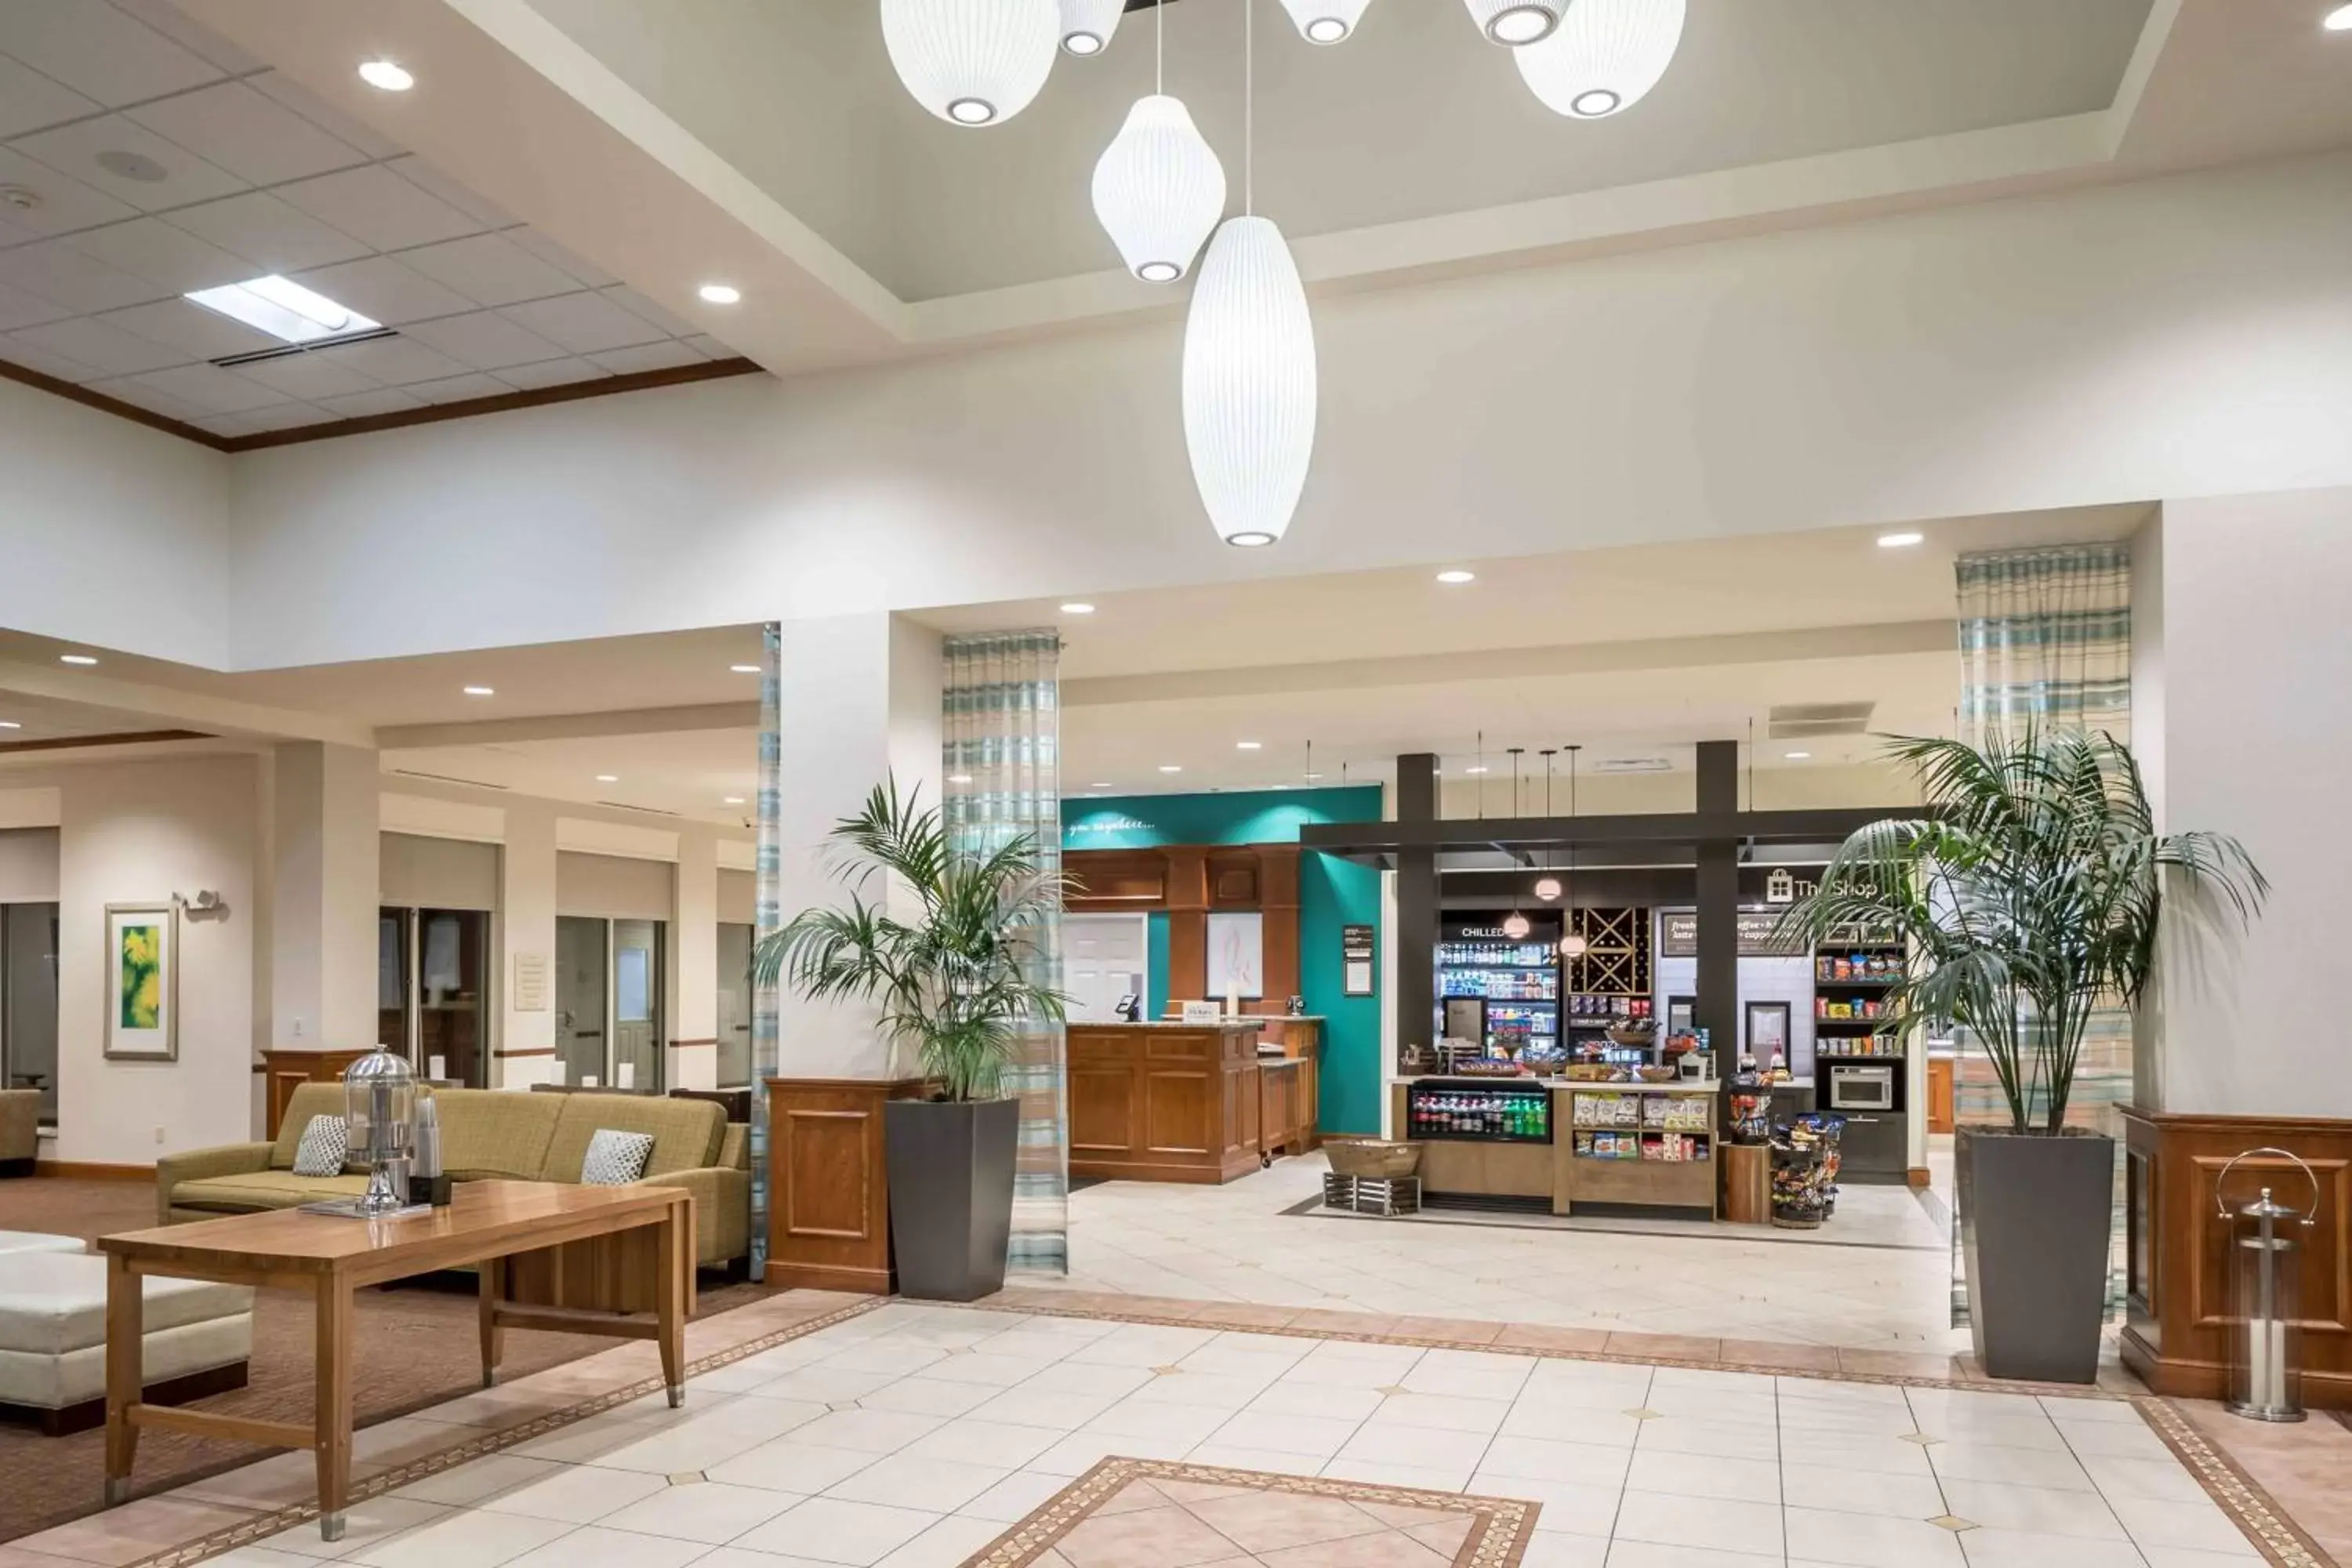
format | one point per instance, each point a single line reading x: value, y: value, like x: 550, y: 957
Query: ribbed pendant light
x: 972, y: 62
x: 1249, y: 368
x: 1087, y: 25
x: 1326, y: 21
x: 1604, y: 56
x: 1516, y: 23
x: 1159, y: 189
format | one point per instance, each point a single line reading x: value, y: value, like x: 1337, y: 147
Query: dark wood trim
x: 511, y: 1056
x: 122, y: 738
x: 572, y: 392
x: 1823, y: 826
x: 681, y: 1045
x: 89, y: 1170
x: 1918, y: 1176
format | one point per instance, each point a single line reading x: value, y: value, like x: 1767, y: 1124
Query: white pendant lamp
x: 972, y: 62
x: 1087, y: 25
x: 1515, y: 23
x: 1249, y: 367
x: 1326, y: 21
x: 1159, y: 189
x: 1515, y: 926
x: 1548, y: 889
x: 1604, y: 56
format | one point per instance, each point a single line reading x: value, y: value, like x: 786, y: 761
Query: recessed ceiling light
x: 1477, y: 770
x: 1899, y: 541
x: 481, y: 691
x: 1456, y: 578
x: 1796, y: 756
x: 959, y: 778
x: 721, y: 294
x: 608, y: 778
x: 283, y: 309
x: 733, y: 800
x: 10, y: 725
x: 743, y: 670
x: 1171, y: 768
x: 76, y: 658
x: 1102, y: 786
x: 1077, y: 609
x: 1249, y: 746
x: 385, y: 75
x: 2339, y: 20
x: 1313, y: 776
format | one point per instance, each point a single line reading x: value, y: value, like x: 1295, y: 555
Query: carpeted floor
x: 417, y: 1346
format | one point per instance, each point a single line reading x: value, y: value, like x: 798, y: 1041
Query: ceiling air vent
x: 1632, y: 765
x: 1806, y: 721
x: 288, y: 351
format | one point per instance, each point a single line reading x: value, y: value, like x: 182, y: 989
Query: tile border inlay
x: 1499, y: 1538
x: 2279, y: 1538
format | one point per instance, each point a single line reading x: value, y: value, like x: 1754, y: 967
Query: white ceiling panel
x: 547, y: 250
x: 31, y: 356
x: 387, y: 290
x: 211, y: 388
x: 458, y: 388
x: 553, y: 373
x: 710, y: 347
x: 327, y: 117
x: 134, y: 392
x: 416, y: 170
x: 259, y: 421
x: 484, y: 339
x: 175, y: 24
x: 584, y: 322
x: 19, y: 309
x: 62, y: 203
x: 252, y: 136
x: 368, y: 405
x: 308, y: 376
x: 29, y: 100
x: 269, y: 233
x: 668, y: 354
x: 83, y: 148
x: 64, y: 276
x: 171, y: 258
x: 99, y: 51
x: 397, y: 361
x: 203, y: 334
x: 636, y: 304
x: 374, y: 205
x: 490, y: 269
x: 108, y: 350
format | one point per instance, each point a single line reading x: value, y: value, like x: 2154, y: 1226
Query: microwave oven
x: 1862, y: 1086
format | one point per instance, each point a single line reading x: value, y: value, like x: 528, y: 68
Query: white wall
x: 28, y: 866
x: 2252, y: 734
x: 327, y: 854
x: 1977, y: 359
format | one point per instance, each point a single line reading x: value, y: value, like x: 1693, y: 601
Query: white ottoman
x: 40, y: 1241
x: 198, y: 1337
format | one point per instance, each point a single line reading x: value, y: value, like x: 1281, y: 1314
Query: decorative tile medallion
x: 1161, y: 1510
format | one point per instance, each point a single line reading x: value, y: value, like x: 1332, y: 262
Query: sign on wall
x: 529, y: 991
x: 1356, y: 960
x: 1678, y: 934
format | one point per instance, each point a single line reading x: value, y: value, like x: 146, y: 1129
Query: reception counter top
x: 1164, y: 1101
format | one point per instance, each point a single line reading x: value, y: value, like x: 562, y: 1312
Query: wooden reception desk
x: 1165, y: 1102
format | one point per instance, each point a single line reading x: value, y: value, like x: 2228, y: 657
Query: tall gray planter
x: 2034, y: 1216
x: 950, y: 1169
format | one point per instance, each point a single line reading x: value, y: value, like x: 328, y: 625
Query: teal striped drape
x: 767, y: 914
x: 1001, y: 749
x: 2045, y: 636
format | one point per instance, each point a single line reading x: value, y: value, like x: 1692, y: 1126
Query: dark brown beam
x: 1825, y: 825
x: 1416, y: 890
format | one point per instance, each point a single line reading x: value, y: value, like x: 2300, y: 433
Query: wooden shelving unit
x: 1639, y: 1118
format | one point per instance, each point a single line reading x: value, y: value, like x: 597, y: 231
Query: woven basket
x: 1374, y: 1160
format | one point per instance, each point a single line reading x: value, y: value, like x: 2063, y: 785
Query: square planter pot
x: 950, y: 1169
x: 2034, y: 1213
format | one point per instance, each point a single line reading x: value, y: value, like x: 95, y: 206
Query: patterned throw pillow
x: 616, y: 1159
x: 326, y: 1145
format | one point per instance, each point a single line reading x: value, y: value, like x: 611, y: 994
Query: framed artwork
x: 1237, y: 954
x: 142, y: 982
x: 1767, y: 1029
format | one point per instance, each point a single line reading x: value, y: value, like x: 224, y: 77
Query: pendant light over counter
x: 1326, y: 21
x: 1603, y: 57
x: 1516, y: 23
x: 972, y: 62
x: 1087, y: 25
x: 1159, y: 188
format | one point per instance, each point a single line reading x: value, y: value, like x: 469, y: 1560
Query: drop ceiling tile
x: 398, y: 362
x: 665, y: 355
x: 553, y: 373
x: 109, y: 349
x: 369, y: 404
x: 189, y: 327
x: 211, y: 388
x: 252, y: 136
x: 29, y: 100
x: 173, y: 257
x: 169, y: 20
x: 483, y: 338
x: 19, y: 309
x: 325, y: 115
x: 99, y: 51
x: 31, y: 356
x: 309, y: 376
x: 459, y: 389
x: 62, y: 204
x: 584, y: 322
x: 710, y: 347
x: 80, y: 149
x: 64, y: 276
x: 260, y: 421
x: 481, y: 210
x: 269, y: 233
x: 637, y: 304
x: 490, y: 269
x: 377, y: 206
x: 588, y: 273
x: 385, y: 288
x: 127, y: 390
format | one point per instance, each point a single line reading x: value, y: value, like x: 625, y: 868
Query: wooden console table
x: 488, y: 1224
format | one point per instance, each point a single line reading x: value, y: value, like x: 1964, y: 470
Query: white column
x: 693, y: 978
x: 859, y: 697
x: 526, y: 1043
x: 325, y: 834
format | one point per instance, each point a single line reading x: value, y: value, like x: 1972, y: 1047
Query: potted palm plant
x: 957, y: 976
x: 2031, y: 893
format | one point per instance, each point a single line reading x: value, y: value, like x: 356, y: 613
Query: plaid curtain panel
x: 1001, y: 749
x: 767, y: 915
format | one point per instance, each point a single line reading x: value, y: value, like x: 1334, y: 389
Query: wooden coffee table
x: 330, y: 1257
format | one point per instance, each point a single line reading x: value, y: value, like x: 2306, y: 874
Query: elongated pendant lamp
x: 1159, y: 189
x: 1087, y: 25
x: 1326, y: 21
x: 972, y: 62
x: 1604, y: 57
x: 1516, y: 23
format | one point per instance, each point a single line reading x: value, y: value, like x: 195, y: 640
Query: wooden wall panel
x: 1158, y: 1103
x: 283, y: 1072
x: 829, y: 1189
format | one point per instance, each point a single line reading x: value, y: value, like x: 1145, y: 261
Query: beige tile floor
x: 911, y: 1436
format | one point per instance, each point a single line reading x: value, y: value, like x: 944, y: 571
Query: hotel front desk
x: 1190, y: 1102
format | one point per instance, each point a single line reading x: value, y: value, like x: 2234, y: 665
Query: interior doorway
x: 29, y: 1002
x: 1105, y: 959
x: 433, y: 970
x: 734, y: 1004
x: 609, y: 1031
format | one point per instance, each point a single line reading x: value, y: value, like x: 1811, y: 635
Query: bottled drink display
x: 1476, y: 1111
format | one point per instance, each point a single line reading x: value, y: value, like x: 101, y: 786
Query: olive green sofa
x: 490, y: 1134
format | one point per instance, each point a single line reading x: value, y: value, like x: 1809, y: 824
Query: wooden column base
x: 828, y: 1185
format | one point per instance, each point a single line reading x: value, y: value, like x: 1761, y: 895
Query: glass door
x: 451, y: 1003
x: 637, y: 1035
x: 580, y: 998
x: 29, y: 1002
x: 734, y: 1005
x: 393, y: 988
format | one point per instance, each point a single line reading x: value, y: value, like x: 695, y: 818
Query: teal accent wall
x: 1331, y: 893
x: 1155, y: 959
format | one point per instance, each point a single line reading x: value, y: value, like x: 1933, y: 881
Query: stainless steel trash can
x: 2266, y: 1296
